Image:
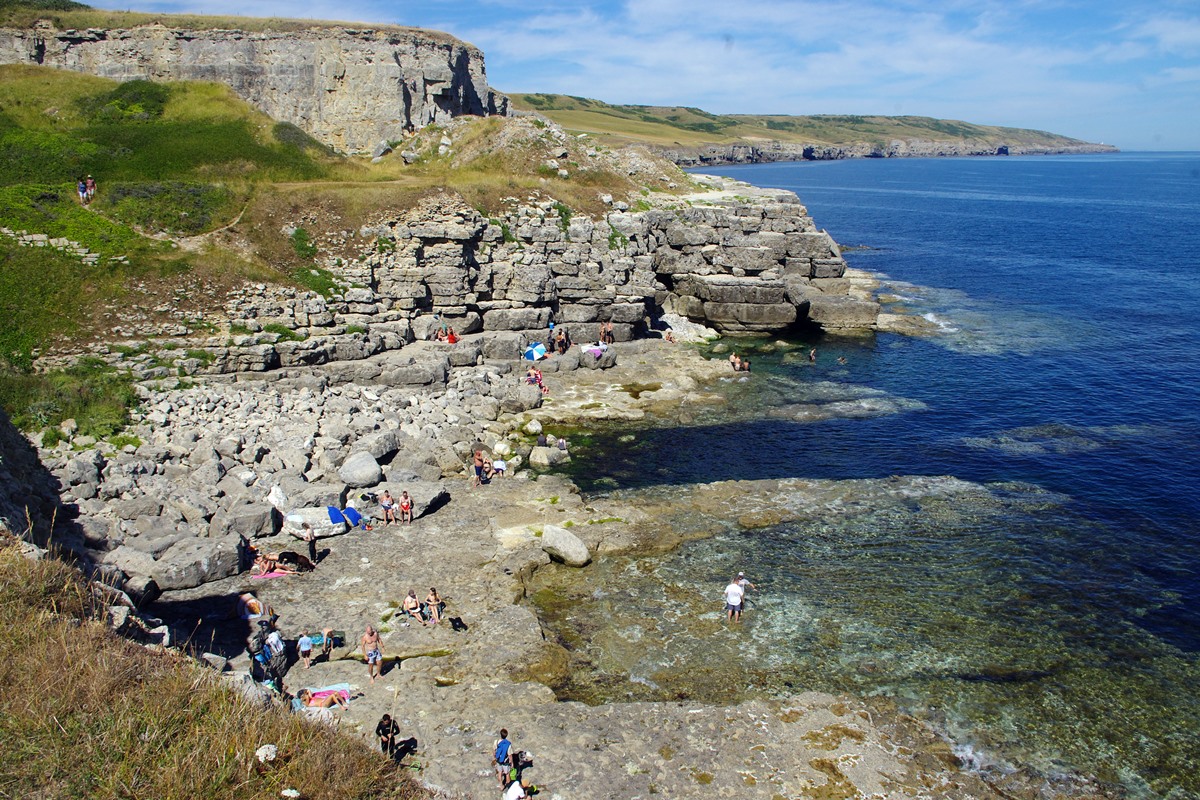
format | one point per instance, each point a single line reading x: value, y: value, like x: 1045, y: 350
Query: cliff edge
x: 348, y: 87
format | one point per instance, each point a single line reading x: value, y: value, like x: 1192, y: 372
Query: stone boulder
x: 195, y: 561
x: 517, y: 397
x: 316, y: 518
x: 545, y: 457
x: 361, y: 470
x: 591, y: 360
x: 562, y: 545
x: 253, y: 520
x: 834, y: 311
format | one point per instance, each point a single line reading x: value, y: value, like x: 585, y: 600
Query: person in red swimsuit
x: 405, y: 508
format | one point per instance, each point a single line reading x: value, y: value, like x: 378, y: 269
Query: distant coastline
x: 775, y: 151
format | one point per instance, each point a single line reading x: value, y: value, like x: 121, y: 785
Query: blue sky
x: 1118, y: 72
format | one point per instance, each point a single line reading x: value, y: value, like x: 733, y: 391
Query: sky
x: 1121, y: 73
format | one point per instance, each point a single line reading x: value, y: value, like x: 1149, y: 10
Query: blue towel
x: 335, y: 515
x: 353, y: 517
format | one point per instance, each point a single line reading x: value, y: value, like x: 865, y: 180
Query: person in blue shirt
x: 503, y: 757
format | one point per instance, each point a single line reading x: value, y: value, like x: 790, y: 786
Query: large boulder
x: 562, y: 545
x: 544, y: 457
x: 195, y: 561
x: 832, y: 312
x: 252, y: 520
x: 517, y: 397
x: 592, y: 357
x: 361, y: 470
x: 316, y: 518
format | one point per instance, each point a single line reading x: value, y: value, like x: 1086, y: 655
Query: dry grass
x: 88, y: 714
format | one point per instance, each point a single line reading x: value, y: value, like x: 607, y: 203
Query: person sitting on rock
x: 434, y: 606
x: 498, y: 467
x: 412, y: 606
x: 406, y: 508
x: 388, y: 506
x: 451, y: 337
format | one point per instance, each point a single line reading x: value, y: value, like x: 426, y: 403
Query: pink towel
x: 327, y: 692
x: 275, y: 574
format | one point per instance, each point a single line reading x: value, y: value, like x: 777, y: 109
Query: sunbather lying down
x: 328, y: 701
x: 285, y: 561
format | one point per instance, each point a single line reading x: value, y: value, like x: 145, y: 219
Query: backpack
x: 503, y: 747
x: 258, y: 642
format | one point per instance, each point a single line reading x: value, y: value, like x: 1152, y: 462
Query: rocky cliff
x: 769, y: 150
x: 349, y: 88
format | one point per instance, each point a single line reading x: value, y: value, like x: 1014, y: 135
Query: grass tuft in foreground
x: 89, y: 714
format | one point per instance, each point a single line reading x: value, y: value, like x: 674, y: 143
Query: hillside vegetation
x: 121, y: 721
x: 692, y: 127
x: 195, y: 190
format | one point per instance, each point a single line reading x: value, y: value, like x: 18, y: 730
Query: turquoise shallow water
x: 1052, y: 619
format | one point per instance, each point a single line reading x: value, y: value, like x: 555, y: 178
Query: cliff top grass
x: 67, y: 15
x: 125, y: 721
x: 693, y: 127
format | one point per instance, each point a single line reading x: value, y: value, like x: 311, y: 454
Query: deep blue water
x: 1067, y: 290
x: 1097, y: 260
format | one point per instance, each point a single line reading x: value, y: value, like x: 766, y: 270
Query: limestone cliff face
x: 347, y: 87
x: 769, y: 150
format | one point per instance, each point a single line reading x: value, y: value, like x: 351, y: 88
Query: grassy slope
x: 692, y: 127
x: 122, y: 721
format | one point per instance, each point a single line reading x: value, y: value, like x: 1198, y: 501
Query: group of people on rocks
x: 388, y: 507
x: 533, y: 376
x: 510, y: 765
x: 486, y: 468
x: 735, y: 597
x: 738, y: 364
x: 445, y: 334
x: 426, y: 613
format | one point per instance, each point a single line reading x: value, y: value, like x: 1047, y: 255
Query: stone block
x: 562, y: 545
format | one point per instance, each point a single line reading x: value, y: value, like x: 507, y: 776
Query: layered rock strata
x: 347, y: 87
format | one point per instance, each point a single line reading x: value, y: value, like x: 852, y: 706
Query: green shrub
x: 321, y: 281
x: 564, y: 215
x: 131, y: 101
x: 302, y: 244
x: 284, y: 332
x: 122, y: 440
x: 203, y: 356
x: 355, y: 329
x: 97, y: 396
x: 616, y: 239
x: 176, y: 206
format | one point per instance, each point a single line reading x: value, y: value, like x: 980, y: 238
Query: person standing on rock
x: 746, y: 585
x: 502, y: 757
x: 734, y: 595
x: 478, y: 463
x: 372, y: 649
x: 304, y: 648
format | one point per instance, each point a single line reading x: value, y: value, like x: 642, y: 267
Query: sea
x: 1048, y: 622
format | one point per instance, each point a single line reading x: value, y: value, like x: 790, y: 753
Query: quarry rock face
x: 349, y: 88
